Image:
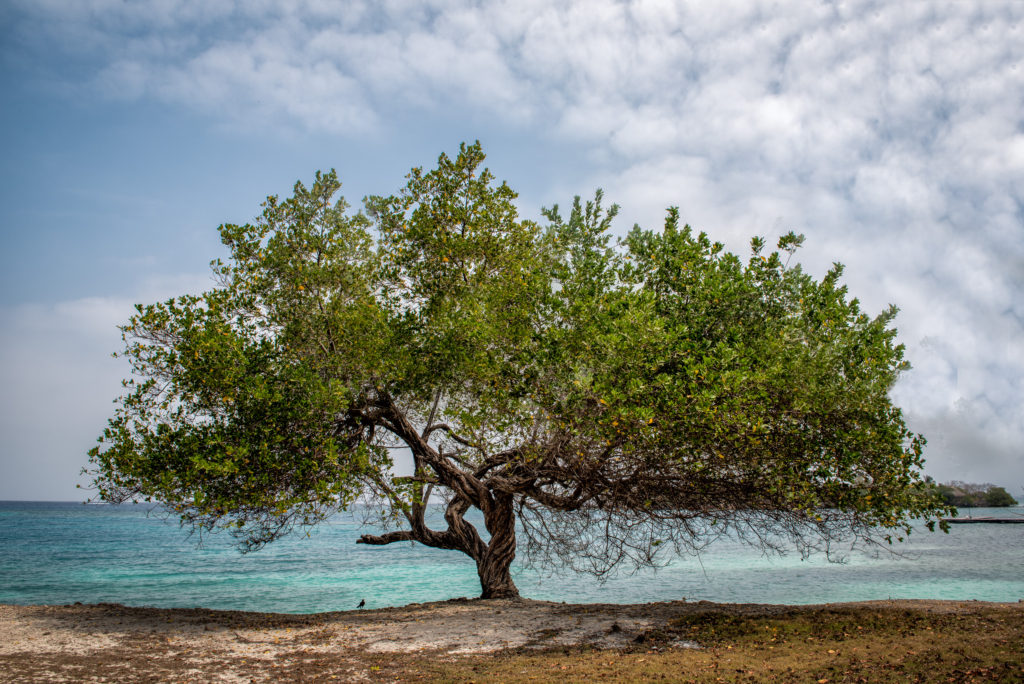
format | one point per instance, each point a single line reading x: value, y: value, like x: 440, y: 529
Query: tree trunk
x: 496, y: 578
x: 494, y: 566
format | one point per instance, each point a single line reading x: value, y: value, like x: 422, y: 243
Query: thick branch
x: 569, y: 502
x: 453, y: 435
x: 464, y: 484
x: 430, y: 418
x: 498, y: 459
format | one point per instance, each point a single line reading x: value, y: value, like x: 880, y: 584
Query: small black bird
x: 361, y: 603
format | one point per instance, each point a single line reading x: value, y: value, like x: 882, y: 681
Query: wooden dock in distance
x: 1001, y: 521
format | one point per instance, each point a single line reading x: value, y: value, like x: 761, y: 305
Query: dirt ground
x: 110, y: 642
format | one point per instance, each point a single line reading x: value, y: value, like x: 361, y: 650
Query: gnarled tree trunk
x: 493, y: 559
x: 495, y: 564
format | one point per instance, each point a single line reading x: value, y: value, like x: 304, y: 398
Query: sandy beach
x: 110, y: 642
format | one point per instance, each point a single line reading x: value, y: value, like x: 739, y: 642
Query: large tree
x: 616, y: 398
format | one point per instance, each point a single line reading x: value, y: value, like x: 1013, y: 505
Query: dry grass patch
x: 814, y: 644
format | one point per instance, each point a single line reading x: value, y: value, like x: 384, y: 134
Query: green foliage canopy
x: 614, y: 396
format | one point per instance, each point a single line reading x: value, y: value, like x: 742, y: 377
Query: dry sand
x: 110, y: 642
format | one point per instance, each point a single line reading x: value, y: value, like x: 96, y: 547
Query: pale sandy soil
x: 110, y: 642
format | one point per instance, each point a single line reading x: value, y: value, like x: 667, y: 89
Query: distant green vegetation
x: 967, y: 495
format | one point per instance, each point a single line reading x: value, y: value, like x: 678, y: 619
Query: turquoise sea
x: 56, y: 553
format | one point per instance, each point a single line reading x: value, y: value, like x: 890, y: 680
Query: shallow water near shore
x: 56, y: 553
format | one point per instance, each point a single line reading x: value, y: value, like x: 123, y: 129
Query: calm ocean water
x: 54, y: 553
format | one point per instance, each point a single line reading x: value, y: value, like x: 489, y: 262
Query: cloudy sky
x: 891, y: 134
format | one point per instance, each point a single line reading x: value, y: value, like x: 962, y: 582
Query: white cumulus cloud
x: 892, y: 134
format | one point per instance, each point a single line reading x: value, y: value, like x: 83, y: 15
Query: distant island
x: 969, y: 495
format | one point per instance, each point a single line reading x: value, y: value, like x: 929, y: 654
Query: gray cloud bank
x: 892, y: 134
